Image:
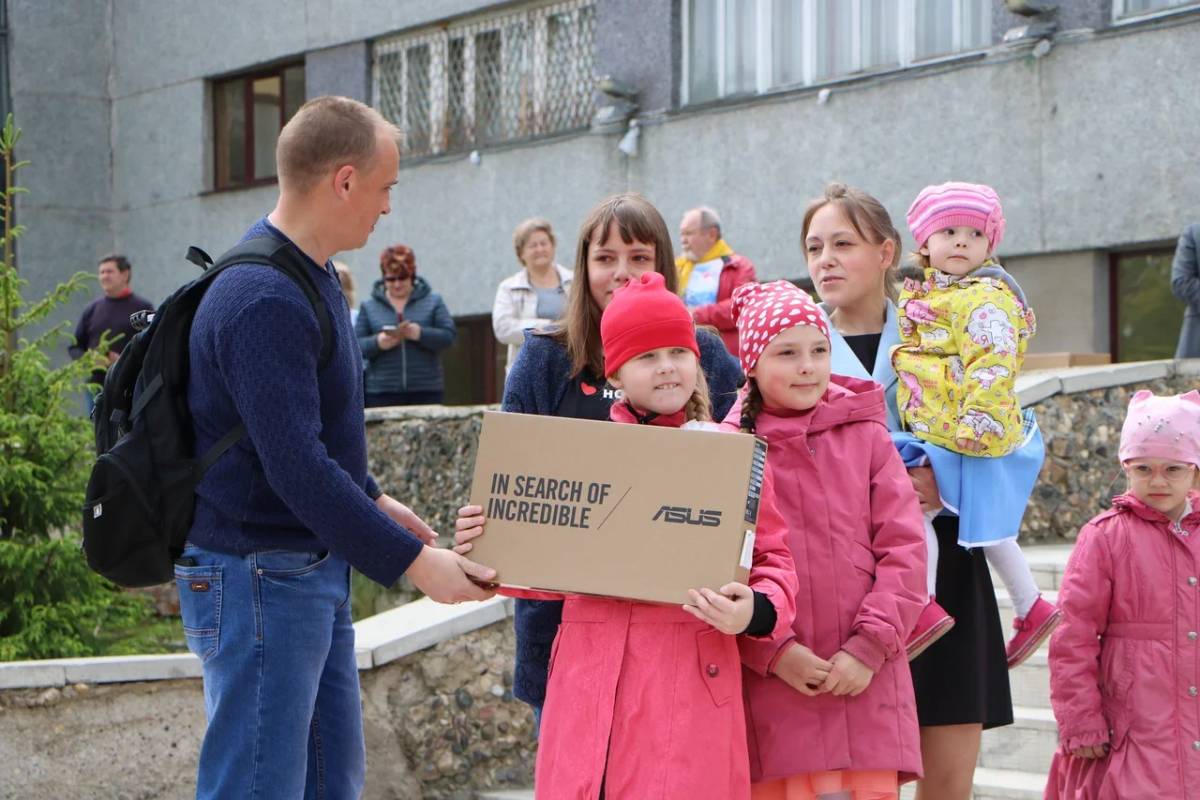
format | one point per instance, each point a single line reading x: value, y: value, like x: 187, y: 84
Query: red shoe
x: 1032, y: 630
x: 933, y: 624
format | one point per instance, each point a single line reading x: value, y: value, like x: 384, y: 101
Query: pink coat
x: 1125, y: 661
x: 857, y: 538
x: 647, y: 700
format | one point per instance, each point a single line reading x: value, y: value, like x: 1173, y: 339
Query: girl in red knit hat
x: 645, y: 700
x: 831, y: 706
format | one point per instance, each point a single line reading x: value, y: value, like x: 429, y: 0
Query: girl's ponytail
x: 751, y: 406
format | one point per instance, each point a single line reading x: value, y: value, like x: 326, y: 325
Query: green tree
x: 44, y: 445
x: 51, y: 604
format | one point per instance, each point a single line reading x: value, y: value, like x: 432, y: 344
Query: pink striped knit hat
x: 950, y: 204
x: 762, y: 311
x: 1162, y: 427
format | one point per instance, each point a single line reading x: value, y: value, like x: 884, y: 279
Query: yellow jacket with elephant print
x: 963, y: 339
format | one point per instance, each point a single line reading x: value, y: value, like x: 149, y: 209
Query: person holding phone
x: 402, y: 329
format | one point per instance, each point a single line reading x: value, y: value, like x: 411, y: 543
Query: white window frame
x: 905, y: 49
x: 1120, y: 14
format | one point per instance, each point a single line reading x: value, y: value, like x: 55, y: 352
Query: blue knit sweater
x: 298, y: 480
x: 537, y: 384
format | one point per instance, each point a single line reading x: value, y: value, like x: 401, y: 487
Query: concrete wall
x: 1069, y: 293
x: 60, y: 67
x: 1090, y: 147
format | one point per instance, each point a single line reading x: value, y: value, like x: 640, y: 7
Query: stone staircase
x: 1013, y: 760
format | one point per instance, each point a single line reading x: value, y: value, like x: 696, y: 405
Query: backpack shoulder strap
x: 284, y: 257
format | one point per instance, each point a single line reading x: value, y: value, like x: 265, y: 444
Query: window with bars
x: 734, y: 47
x: 249, y: 110
x: 1133, y: 8
x: 526, y: 73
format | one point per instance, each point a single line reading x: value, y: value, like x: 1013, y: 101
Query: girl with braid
x: 830, y: 708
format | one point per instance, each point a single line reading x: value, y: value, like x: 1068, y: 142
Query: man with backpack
x: 282, y: 514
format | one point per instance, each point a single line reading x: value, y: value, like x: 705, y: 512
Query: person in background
x: 1185, y: 284
x: 961, y: 682
x: 708, y: 271
x: 560, y: 373
x: 1123, y: 662
x: 109, y: 313
x: 402, y: 329
x: 537, y: 294
x: 346, y: 279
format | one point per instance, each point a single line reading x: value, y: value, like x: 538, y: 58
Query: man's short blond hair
x: 325, y: 134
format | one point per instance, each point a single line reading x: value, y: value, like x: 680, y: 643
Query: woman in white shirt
x: 537, y: 294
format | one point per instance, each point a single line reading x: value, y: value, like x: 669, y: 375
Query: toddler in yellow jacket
x: 964, y: 326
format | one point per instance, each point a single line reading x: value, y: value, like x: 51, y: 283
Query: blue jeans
x: 274, y: 634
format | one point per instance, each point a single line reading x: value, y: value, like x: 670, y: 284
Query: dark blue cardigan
x: 536, y: 385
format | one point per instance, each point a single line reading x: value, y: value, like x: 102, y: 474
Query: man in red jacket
x: 709, y: 271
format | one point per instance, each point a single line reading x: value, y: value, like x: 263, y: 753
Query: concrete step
x: 1030, y: 682
x: 507, y: 794
x: 1047, y: 563
x: 1003, y: 784
x: 1026, y: 746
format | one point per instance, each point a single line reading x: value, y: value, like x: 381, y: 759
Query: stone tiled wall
x: 1082, y: 432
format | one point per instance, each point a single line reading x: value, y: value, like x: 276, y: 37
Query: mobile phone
x: 185, y: 562
x: 388, y: 328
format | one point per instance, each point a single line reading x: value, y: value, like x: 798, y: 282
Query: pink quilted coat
x: 1125, y: 661
x: 857, y: 538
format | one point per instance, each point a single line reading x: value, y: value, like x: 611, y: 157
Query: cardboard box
x: 631, y: 511
x: 1034, y: 361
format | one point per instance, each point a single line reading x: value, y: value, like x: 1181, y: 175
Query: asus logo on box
x: 681, y: 515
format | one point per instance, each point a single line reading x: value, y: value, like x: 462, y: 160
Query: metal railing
x: 524, y: 73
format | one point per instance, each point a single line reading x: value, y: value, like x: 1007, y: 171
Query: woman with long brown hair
x: 961, y: 681
x: 560, y: 372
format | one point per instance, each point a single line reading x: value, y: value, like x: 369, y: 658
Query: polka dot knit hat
x: 1162, y: 427
x: 762, y: 311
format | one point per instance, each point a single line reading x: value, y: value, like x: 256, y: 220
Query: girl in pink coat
x: 1125, y: 661
x: 830, y: 708
x: 644, y: 701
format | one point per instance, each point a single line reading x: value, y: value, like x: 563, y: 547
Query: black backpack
x: 141, y: 494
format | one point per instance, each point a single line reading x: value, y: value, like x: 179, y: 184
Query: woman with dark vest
x: 559, y: 372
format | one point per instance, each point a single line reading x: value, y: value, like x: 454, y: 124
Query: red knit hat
x: 762, y: 311
x: 643, y: 316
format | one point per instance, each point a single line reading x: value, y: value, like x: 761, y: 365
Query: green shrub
x: 55, y: 607
x: 51, y: 604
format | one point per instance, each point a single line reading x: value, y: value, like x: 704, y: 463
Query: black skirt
x: 963, y: 677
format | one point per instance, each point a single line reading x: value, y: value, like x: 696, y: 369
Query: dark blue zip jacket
x: 536, y: 385
x: 410, y: 366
